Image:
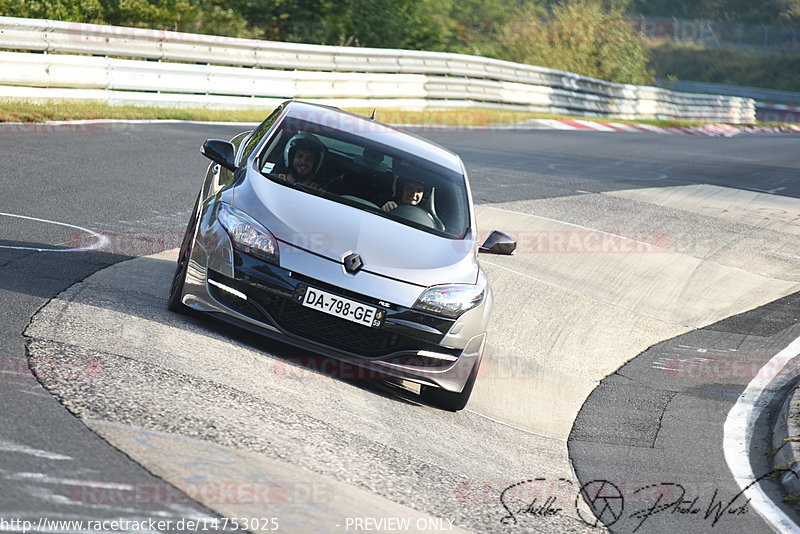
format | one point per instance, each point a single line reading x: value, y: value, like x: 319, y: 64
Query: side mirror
x: 221, y: 152
x: 498, y: 243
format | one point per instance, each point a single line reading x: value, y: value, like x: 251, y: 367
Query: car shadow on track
x: 140, y: 288
x: 302, y: 360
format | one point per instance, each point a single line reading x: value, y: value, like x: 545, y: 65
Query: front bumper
x: 409, y: 345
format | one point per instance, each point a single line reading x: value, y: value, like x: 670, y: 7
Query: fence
x: 54, y: 59
x: 720, y: 34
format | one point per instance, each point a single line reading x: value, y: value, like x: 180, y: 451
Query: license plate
x: 319, y: 300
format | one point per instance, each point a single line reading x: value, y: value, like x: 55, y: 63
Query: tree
x: 199, y: 16
x: 416, y: 24
x: 478, y: 24
x: 582, y: 36
x: 70, y: 10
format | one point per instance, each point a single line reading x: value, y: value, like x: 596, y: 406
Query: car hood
x: 332, y: 230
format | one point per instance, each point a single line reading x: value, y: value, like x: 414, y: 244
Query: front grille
x: 335, y: 332
x: 269, y: 307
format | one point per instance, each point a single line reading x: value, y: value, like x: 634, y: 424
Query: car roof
x: 331, y: 117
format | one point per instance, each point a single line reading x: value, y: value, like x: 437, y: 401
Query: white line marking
x: 16, y: 373
x: 8, y: 446
x: 100, y: 240
x: 47, y: 479
x: 778, y: 253
x: 768, y: 191
x: 515, y: 427
x: 738, y: 433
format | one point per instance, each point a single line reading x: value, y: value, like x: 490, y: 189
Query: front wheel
x: 174, y: 302
x: 449, y: 400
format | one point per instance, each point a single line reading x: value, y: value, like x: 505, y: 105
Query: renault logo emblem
x: 353, y: 263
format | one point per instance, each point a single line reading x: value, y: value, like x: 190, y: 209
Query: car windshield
x: 368, y: 175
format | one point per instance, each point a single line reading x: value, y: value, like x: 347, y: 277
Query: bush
x: 70, y: 10
x: 201, y: 16
x: 582, y: 36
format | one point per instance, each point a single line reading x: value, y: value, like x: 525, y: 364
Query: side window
x: 273, y: 155
x: 237, y: 141
x: 260, y: 132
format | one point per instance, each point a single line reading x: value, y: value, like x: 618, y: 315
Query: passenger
x: 303, y: 158
x: 411, y: 193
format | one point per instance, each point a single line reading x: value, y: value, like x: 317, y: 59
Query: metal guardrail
x: 756, y: 93
x: 131, y: 65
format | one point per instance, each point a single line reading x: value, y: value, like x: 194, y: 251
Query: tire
x: 449, y: 400
x: 174, y: 303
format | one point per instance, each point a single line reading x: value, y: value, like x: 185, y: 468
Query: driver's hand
x: 389, y: 206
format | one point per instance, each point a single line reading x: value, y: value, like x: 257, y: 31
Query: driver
x: 411, y: 193
x: 303, y: 157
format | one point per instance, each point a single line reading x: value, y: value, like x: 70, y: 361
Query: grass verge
x: 64, y: 110
x: 27, y: 111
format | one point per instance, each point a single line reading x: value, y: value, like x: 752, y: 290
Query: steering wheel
x: 437, y: 221
x: 418, y: 215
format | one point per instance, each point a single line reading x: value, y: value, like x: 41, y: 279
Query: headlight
x: 247, y: 234
x: 451, y: 300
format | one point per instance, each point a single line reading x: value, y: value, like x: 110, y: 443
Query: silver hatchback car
x: 348, y: 238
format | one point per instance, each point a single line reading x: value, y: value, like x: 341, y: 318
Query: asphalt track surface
x: 661, y: 410
x: 134, y: 184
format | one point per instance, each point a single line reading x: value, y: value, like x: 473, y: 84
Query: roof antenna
x: 372, y: 117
